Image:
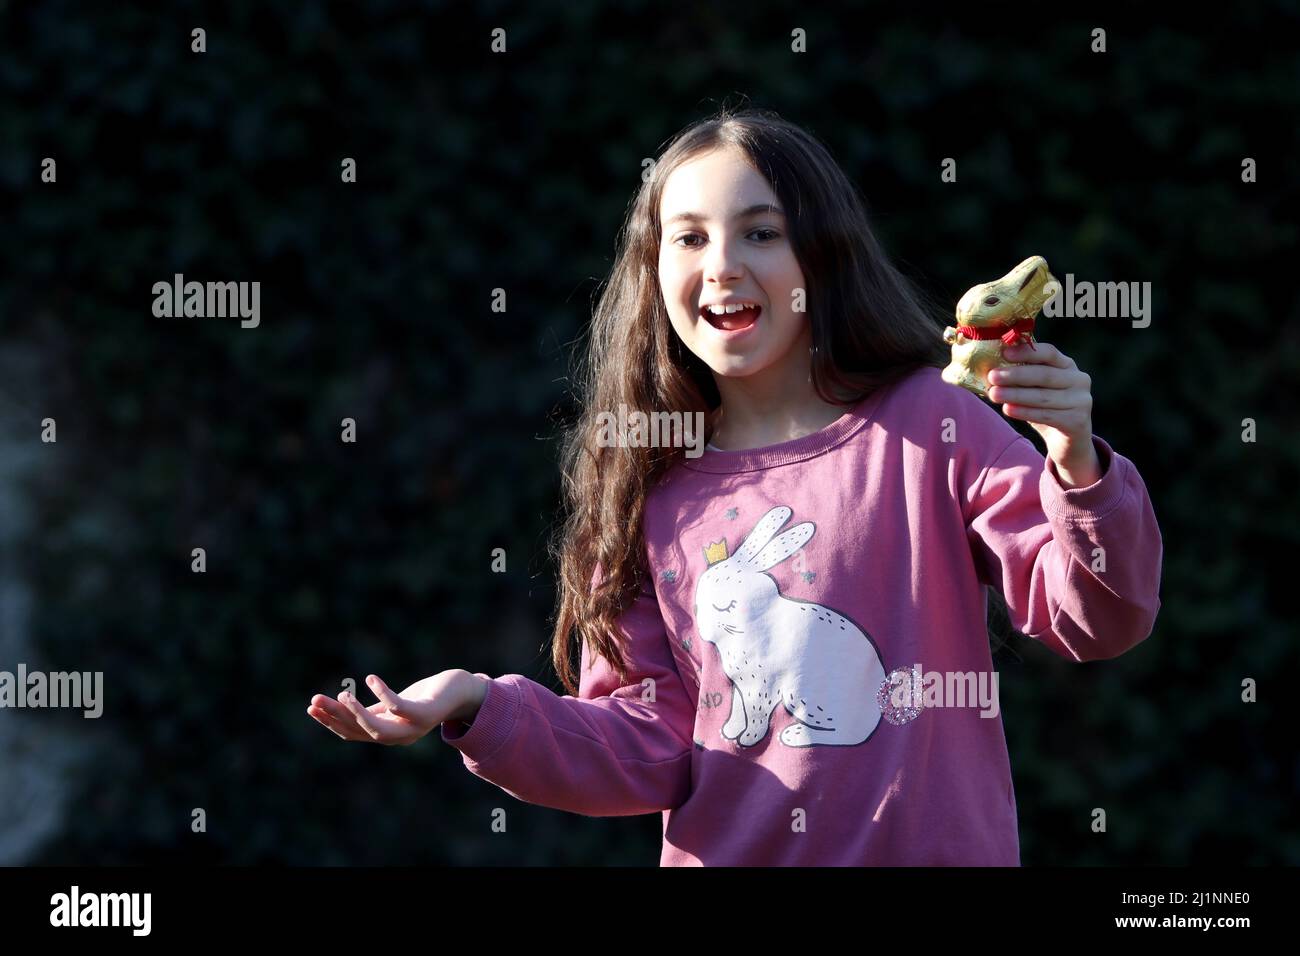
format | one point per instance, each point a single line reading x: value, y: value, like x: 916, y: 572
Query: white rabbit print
x: 817, y: 663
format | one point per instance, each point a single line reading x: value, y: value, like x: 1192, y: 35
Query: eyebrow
x: 754, y: 210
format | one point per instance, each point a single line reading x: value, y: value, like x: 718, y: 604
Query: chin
x: 740, y: 369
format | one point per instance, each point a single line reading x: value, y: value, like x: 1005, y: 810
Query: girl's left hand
x: 1053, y: 395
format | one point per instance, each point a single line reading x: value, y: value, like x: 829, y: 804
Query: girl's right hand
x: 401, y: 718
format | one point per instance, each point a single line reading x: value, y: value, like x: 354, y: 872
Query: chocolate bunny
x: 993, y: 314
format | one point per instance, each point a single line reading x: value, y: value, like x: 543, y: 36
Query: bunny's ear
x: 762, y: 534
x: 786, y: 544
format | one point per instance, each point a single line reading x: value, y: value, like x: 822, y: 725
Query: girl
x: 782, y: 640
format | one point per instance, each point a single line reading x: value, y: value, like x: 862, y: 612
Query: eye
x: 772, y: 236
x: 727, y: 608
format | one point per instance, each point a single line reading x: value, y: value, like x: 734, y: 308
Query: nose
x: 723, y: 261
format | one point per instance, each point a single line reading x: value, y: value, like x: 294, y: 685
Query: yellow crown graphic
x: 715, y: 552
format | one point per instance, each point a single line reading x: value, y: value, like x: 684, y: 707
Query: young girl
x: 782, y: 639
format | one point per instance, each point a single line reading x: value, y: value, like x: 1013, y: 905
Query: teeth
x: 729, y: 309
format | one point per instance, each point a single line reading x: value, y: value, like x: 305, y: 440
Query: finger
x: 1042, y: 376
x: 392, y: 701
x: 1045, y: 353
x: 333, y: 708
x: 1057, y: 398
x: 363, y: 716
x: 1062, y: 420
x: 346, y: 731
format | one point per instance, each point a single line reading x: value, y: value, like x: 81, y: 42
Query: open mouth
x: 733, y: 321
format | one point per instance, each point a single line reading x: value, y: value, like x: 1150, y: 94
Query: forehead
x: 715, y: 185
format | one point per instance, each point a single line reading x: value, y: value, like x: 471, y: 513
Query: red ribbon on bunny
x: 1021, y: 331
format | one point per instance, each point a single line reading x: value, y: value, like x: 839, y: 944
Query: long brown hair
x: 870, y: 327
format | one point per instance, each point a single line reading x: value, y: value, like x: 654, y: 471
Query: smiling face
x: 732, y: 247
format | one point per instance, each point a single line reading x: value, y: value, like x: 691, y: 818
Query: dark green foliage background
x: 479, y: 171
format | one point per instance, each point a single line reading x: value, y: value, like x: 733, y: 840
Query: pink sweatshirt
x: 799, y: 591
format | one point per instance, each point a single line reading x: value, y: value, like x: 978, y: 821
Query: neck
x: 773, y: 406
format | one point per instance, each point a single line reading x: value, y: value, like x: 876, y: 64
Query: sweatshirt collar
x: 796, y: 449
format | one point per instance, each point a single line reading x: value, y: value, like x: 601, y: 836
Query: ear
x: 762, y: 534
x: 786, y: 544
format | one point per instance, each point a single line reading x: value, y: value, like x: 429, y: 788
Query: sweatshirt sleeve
x: 608, y: 751
x: 1079, y: 567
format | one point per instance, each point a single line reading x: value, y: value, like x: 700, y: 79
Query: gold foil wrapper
x: 1019, y: 294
